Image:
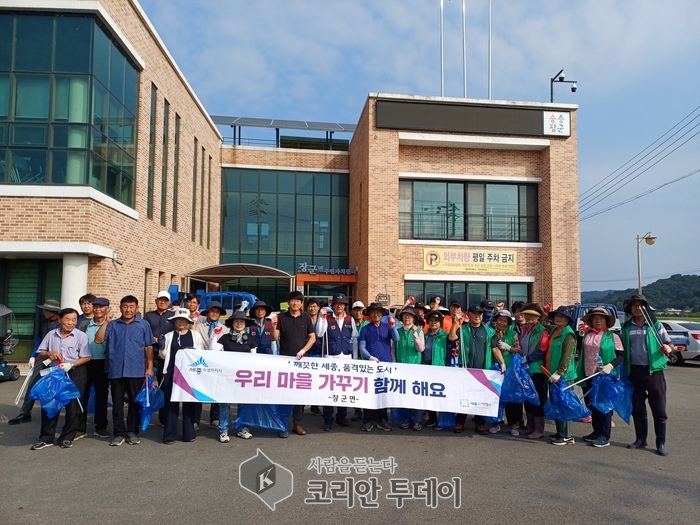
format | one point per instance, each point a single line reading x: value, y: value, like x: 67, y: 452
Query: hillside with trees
x: 678, y: 291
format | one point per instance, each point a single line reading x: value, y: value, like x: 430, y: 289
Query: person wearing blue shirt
x: 130, y: 343
x: 261, y: 329
x: 375, y: 344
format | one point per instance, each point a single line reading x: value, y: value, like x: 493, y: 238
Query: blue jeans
x: 225, y: 415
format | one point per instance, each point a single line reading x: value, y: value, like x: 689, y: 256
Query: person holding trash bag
x: 505, y: 341
x: 68, y: 347
x: 647, y: 345
x: 601, y: 352
x: 181, y: 337
x: 534, y: 344
x: 560, y: 359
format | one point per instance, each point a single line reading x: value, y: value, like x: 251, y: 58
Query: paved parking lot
x: 500, y: 478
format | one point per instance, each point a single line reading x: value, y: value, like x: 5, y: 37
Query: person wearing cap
x: 375, y: 345
x: 533, y: 346
x: 409, y: 349
x: 49, y: 310
x: 85, y: 303
x: 295, y: 333
x: 435, y: 351
x: 647, y: 346
x: 339, y: 331
x: 360, y: 322
x: 130, y: 343
x: 599, y: 341
x: 180, y: 337
x: 489, y: 310
x: 455, y: 313
x: 313, y: 308
x: 504, y: 344
x: 96, y: 370
x: 560, y: 362
x: 472, y: 342
x: 67, y: 347
x: 160, y: 325
x: 261, y: 328
x: 238, y: 339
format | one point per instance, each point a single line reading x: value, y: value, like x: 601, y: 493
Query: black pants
x: 514, y: 413
x: 461, y: 419
x: 370, y: 416
x: 650, y: 387
x: 328, y: 413
x: 28, y: 403
x: 172, y: 414
x: 541, y: 385
x: 602, y: 423
x: 96, y: 375
x: 70, y: 427
x: 158, y: 365
x: 129, y: 386
x: 213, y: 412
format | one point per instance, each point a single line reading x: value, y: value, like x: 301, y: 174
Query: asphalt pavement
x: 492, y: 479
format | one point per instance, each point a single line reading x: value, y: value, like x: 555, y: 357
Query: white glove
x: 503, y: 368
x: 554, y: 378
x: 65, y: 366
x: 504, y: 346
x: 607, y: 368
x: 32, y: 360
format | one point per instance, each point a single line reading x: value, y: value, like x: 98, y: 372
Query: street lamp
x: 560, y: 77
x: 649, y: 239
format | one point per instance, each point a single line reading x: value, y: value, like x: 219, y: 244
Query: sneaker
x: 79, y: 435
x: 480, y: 429
x: 555, y: 437
x: 417, y: 427
x: 244, y: 433
x: 600, y: 441
x: 41, y: 444
x: 223, y: 437
x: 214, y: 423
x: 406, y: 424
x: 590, y: 438
x: 458, y: 428
x: 586, y: 419
x: 367, y: 427
x: 495, y: 429
x: 514, y: 432
x: 383, y: 424
x: 196, y: 427
x: 283, y: 435
x: 101, y: 433
x: 66, y: 443
x: 132, y: 438
x: 327, y: 426
x: 316, y: 411
x: 342, y: 422
x: 118, y: 440
x: 431, y: 423
x: 563, y: 441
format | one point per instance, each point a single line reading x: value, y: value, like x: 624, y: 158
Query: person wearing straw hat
x: 50, y: 310
x: 409, y: 349
x: 435, y: 352
x: 560, y: 360
x: 599, y: 341
x: 647, y: 346
x: 261, y: 328
x: 533, y: 346
x: 181, y: 337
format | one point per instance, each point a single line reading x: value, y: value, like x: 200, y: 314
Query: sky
x: 636, y: 64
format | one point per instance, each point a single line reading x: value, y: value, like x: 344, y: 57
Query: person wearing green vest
x: 646, y: 349
x: 409, y: 350
x: 360, y: 322
x: 473, y: 351
x: 502, y: 337
x: 560, y: 361
x: 435, y: 352
x: 599, y: 341
x: 534, y: 345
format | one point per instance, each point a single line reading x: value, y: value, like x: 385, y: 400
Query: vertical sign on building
x: 557, y: 123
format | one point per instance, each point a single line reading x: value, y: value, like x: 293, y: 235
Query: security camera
x: 561, y: 77
x: 574, y: 87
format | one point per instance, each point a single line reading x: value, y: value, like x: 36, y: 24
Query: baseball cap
x: 161, y: 295
x: 475, y: 309
x: 487, y: 304
x: 455, y: 303
x: 100, y: 301
x: 358, y: 304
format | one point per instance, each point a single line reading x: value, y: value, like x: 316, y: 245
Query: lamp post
x: 649, y: 239
x: 560, y: 77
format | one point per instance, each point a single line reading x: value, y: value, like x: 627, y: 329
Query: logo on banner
x: 200, y: 366
x: 269, y: 481
x: 199, y: 362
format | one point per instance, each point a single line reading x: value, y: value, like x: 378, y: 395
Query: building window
x: 194, y: 191
x: 472, y: 211
x: 151, y: 152
x: 164, y: 170
x: 176, y: 169
x: 468, y: 293
x: 68, y: 99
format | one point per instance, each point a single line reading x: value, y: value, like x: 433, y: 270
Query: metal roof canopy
x: 283, y: 124
x: 222, y: 273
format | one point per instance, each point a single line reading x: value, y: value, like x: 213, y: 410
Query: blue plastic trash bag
x: 400, y: 415
x: 517, y: 384
x: 603, y: 392
x: 54, y: 391
x: 271, y: 417
x: 625, y: 389
x: 564, y: 405
x: 447, y: 419
x: 151, y: 398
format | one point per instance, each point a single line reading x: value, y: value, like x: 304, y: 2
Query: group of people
x: 106, y: 351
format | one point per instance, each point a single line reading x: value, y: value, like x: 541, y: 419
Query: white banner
x: 230, y: 377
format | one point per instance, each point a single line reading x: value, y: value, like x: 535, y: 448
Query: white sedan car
x: 693, y: 329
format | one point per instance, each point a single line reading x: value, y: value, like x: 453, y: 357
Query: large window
x: 284, y: 218
x: 468, y: 211
x: 68, y: 98
x: 468, y: 293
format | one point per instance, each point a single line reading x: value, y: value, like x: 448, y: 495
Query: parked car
x: 692, y: 331
x: 228, y: 300
x: 579, y: 310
